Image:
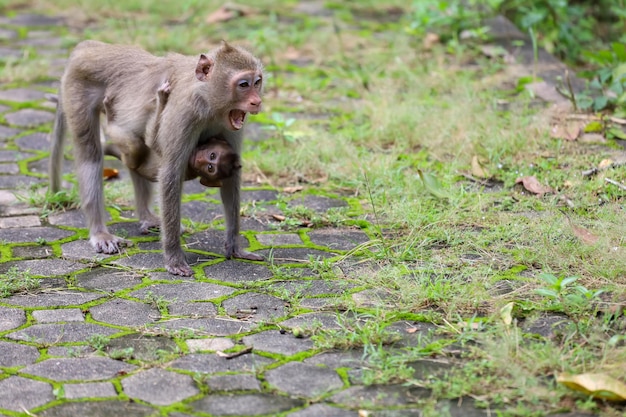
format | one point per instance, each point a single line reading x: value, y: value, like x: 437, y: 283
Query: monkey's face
x: 214, y: 162
x: 247, y: 87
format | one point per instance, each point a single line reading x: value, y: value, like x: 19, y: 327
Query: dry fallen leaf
x: 430, y: 40
x: 596, y: 385
x: 110, y: 173
x: 477, y: 169
x: 531, y: 184
x: 291, y: 190
x: 506, y: 313
x: 411, y: 330
x: 228, y: 12
x: 279, y: 217
x: 569, y: 130
x: 584, y: 235
x: 605, y: 163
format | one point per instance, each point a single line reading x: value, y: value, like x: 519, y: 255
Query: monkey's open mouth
x: 237, y: 118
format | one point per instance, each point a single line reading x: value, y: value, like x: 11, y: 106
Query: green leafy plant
x: 570, y: 299
x: 98, y: 341
x: 14, y: 281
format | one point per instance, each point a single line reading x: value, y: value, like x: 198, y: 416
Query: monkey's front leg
x: 229, y: 192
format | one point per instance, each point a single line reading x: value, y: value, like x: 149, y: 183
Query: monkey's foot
x: 242, y: 254
x: 179, y: 269
x: 107, y: 243
x: 149, y: 225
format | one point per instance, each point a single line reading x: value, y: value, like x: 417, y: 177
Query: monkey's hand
x: 153, y: 224
x: 242, y: 254
x: 104, y: 242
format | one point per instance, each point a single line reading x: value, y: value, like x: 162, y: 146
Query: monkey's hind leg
x: 143, y: 199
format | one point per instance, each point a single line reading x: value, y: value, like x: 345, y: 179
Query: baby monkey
x: 212, y: 161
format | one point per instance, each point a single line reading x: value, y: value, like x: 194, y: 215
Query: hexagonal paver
x: 10, y: 318
x: 303, y: 380
x: 160, y: 387
x: 19, y: 394
x: 60, y: 315
x: 206, y: 326
x: 125, y: 313
x: 89, y: 390
x: 218, y: 343
x: 99, y: 409
x: 43, y: 267
x: 274, y: 341
x: 196, y: 362
x: 340, y: 239
x: 380, y: 396
x: 15, y: 354
x: 61, y: 333
x: 53, y: 299
x: 256, y: 307
x: 234, y: 383
x: 323, y: 410
x: 107, y: 279
x: 186, y: 291
x: 237, y: 271
x: 309, y: 320
x: 246, y: 404
x: 29, y: 117
x: 85, y: 369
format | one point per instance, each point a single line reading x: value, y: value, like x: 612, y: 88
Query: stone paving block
x: 60, y: 315
x: 32, y: 234
x: 214, y: 344
x: 237, y: 272
x: 186, y: 291
x: 312, y: 320
x: 19, y: 394
x: 99, y: 409
x: 21, y: 95
x: 9, y: 168
x: 29, y: 117
x: 70, y: 351
x: 234, y: 383
x: 107, y: 279
x: 281, y: 239
x: 318, y: 203
x: 71, y: 218
x: 12, y: 156
x: 38, y: 252
x: 84, y: 369
x: 62, y: 297
x: 10, y: 318
x: 125, y: 313
x: 245, y: 404
x: 145, y: 348
x: 323, y: 410
x: 273, y: 341
x: 338, y: 359
x: 61, y: 333
x: 7, y: 132
x: 294, y: 255
x: 311, y: 288
x: 35, y: 141
x: 89, y: 390
x: 18, y: 181
x: 195, y: 310
x: 29, y: 19
x: 201, y: 212
x: 15, y: 354
x: 7, y: 34
x: 248, y: 196
x: 380, y: 396
x: 44, y: 267
x: 321, y: 303
x: 255, y: 307
x: 340, y: 239
x: 197, y: 362
x: 207, y: 326
x: 160, y: 387
x: 303, y: 380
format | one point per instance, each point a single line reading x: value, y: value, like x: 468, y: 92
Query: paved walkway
x: 117, y: 336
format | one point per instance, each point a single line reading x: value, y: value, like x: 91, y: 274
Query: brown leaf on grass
x: 430, y: 40
x: 605, y: 163
x: 411, y: 330
x: 291, y: 190
x: 228, y: 12
x: 279, y: 217
x: 110, y: 173
x: 533, y: 185
x: 584, y: 235
x: 568, y: 130
x: 598, y: 386
x: 478, y: 170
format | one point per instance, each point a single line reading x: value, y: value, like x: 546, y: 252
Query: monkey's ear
x: 203, y: 68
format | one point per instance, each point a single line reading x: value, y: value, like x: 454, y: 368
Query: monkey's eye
x: 212, y: 156
x: 257, y: 82
x: 243, y: 84
x: 210, y: 168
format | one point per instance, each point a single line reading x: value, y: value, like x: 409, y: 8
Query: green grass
x: 16, y: 281
x: 368, y: 111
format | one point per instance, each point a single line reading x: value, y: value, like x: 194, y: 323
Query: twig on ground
x: 615, y: 183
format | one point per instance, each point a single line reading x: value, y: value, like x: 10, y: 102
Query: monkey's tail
x: 57, y: 138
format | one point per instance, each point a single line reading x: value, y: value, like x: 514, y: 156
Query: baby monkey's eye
x: 210, y: 168
x: 212, y: 156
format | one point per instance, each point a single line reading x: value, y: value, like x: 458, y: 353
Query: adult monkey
x: 212, y: 161
x: 210, y: 97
